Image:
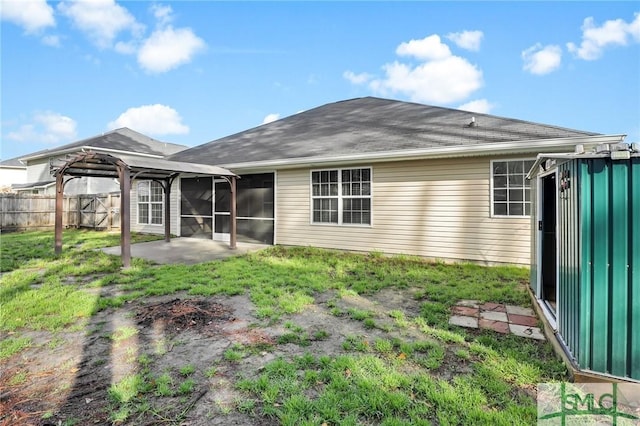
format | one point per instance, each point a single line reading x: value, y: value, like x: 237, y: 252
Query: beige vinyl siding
x: 156, y: 229
x: 434, y: 208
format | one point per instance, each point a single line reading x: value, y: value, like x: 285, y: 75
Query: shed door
x: 547, y: 233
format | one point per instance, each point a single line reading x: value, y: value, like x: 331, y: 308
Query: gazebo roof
x: 105, y: 165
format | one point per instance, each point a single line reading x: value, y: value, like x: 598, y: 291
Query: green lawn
x: 388, y: 380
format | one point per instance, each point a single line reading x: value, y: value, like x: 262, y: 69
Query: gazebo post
x: 232, y: 231
x: 167, y: 209
x: 125, y: 213
x: 58, y: 217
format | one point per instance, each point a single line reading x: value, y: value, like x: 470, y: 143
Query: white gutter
x: 56, y: 153
x: 497, y: 148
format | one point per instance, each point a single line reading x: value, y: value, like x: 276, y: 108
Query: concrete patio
x: 185, y: 250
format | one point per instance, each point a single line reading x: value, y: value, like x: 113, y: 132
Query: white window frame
x: 491, y: 189
x: 341, y: 197
x: 149, y: 203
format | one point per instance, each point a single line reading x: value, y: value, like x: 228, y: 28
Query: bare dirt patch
x: 218, y: 339
x: 177, y: 315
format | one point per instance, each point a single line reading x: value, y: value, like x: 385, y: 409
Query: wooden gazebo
x: 127, y: 169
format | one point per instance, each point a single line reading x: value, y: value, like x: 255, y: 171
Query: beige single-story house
x: 370, y: 174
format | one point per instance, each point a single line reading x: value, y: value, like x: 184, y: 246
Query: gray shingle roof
x: 367, y: 125
x: 13, y: 163
x: 123, y: 139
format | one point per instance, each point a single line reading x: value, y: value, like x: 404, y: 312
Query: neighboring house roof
x: 368, y: 128
x: 12, y: 163
x: 33, y: 185
x: 122, y: 140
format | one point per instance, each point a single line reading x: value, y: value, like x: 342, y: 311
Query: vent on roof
x: 472, y: 123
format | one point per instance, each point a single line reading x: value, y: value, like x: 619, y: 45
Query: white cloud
x: 104, y: 21
x: 481, y: 106
x: 156, y: 119
x: 169, y: 48
x: 51, y: 40
x: 101, y: 20
x: 612, y: 33
x: 271, y: 118
x: 469, y: 40
x: 48, y: 127
x: 542, y: 60
x: 126, y: 47
x: 443, y: 81
x: 163, y: 14
x: 438, y: 77
x: 32, y: 15
x: 429, y: 48
x: 356, y: 78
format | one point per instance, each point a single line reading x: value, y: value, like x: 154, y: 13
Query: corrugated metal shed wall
x: 568, y: 235
x: 600, y: 266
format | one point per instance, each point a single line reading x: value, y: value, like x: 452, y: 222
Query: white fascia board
x: 29, y: 188
x: 56, y: 153
x: 497, y: 148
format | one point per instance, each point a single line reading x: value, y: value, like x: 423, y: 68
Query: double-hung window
x: 511, y: 190
x: 150, y: 202
x: 341, y: 196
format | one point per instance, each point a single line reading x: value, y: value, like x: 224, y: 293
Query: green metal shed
x: 585, y: 270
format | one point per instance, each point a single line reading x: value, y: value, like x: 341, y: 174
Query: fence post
x: 79, y: 210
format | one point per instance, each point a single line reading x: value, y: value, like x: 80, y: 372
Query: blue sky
x: 190, y: 72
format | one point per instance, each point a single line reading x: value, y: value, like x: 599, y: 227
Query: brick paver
x: 499, y: 326
x: 464, y: 310
x: 497, y: 317
x: 524, y: 331
x: 495, y: 307
x: 464, y: 321
x: 523, y: 320
x: 494, y: 316
x: 519, y: 310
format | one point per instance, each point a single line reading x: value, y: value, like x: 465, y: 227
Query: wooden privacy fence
x: 31, y: 212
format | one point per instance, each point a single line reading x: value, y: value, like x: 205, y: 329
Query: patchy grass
x: 13, y: 345
x: 389, y: 382
x: 24, y: 250
x: 416, y: 370
x: 124, y: 333
x: 43, y: 291
x: 366, y: 388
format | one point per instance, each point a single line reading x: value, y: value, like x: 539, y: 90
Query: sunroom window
x: 150, y: 202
